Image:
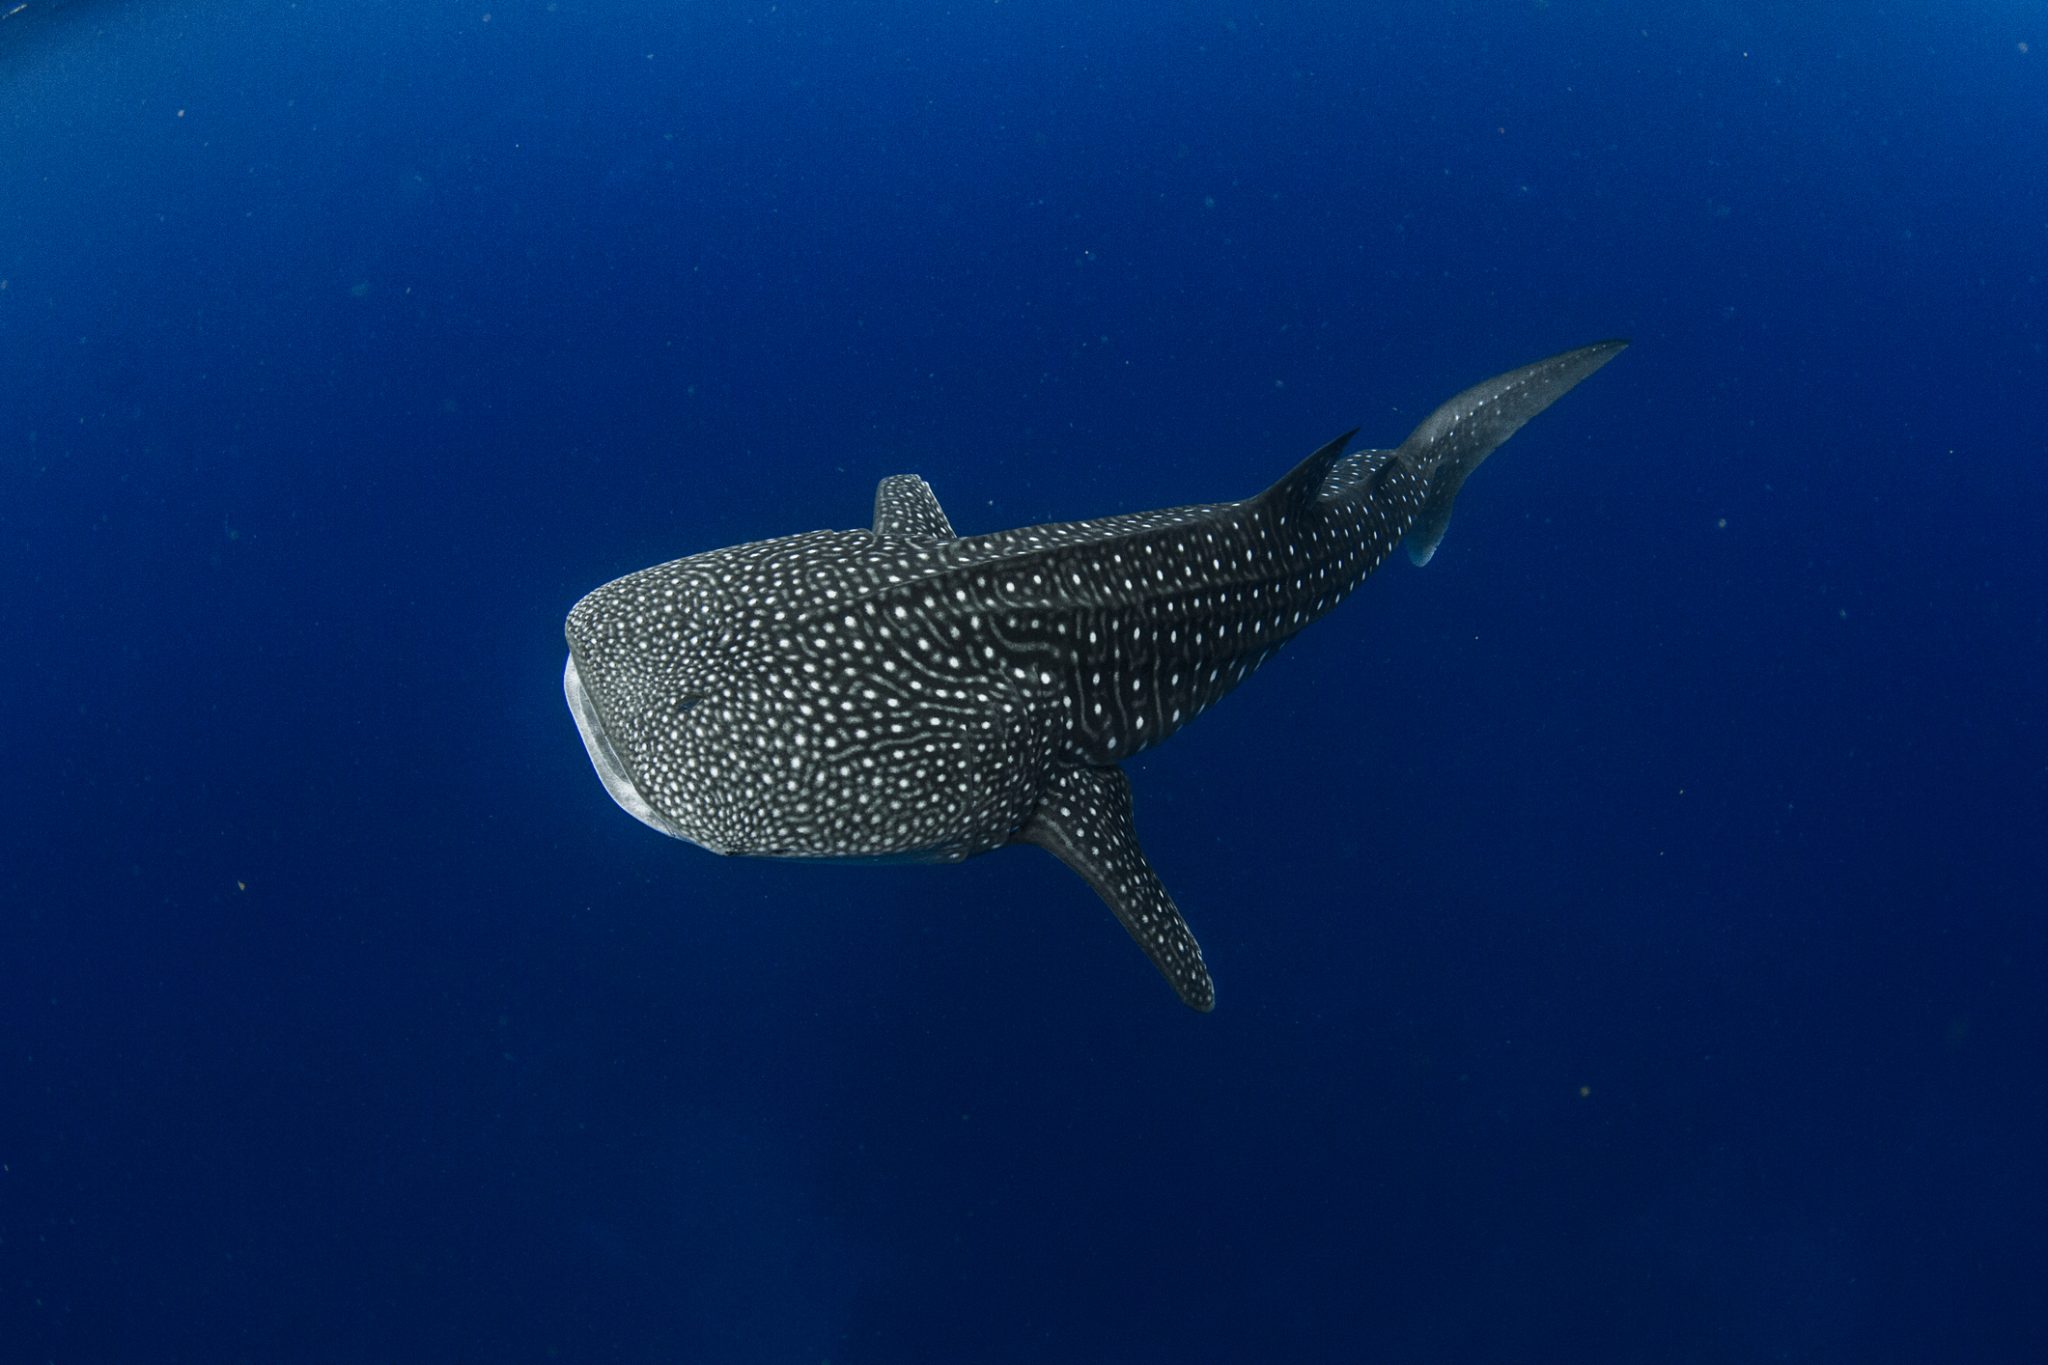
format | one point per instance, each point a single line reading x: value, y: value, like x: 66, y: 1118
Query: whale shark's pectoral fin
x: 906, y: 506
x: 1084, y: 820
x: 1453, y: 440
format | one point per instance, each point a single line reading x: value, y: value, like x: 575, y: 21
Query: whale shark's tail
x: 1457, y: 437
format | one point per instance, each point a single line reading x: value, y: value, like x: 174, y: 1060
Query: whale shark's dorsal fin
x: 906, y: 506
x: 1084, y: 820
x: 1453, y: 440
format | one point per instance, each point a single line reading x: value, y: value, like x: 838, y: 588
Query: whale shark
x: 903, y: 692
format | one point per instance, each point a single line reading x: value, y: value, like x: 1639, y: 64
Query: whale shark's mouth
x: 604, y: 758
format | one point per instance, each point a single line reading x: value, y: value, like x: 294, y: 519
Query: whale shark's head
x: 651, y: 682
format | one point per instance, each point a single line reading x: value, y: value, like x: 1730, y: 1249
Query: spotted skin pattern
x: 906, y: 693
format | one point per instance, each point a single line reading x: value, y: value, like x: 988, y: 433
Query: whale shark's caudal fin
x: 1453, y: 440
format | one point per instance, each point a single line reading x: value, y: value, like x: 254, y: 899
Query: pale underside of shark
x: 905, y: 692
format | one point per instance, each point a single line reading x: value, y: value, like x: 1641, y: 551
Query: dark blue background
x: 1627, y: 930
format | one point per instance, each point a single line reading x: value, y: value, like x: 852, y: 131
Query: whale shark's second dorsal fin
x: 1301, y: 485
x: 1453, y: 440
x: 906, y: 506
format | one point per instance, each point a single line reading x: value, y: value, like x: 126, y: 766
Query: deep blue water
x: 1627, y: 929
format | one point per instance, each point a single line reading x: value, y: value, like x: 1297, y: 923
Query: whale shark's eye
x: 686, y: 703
